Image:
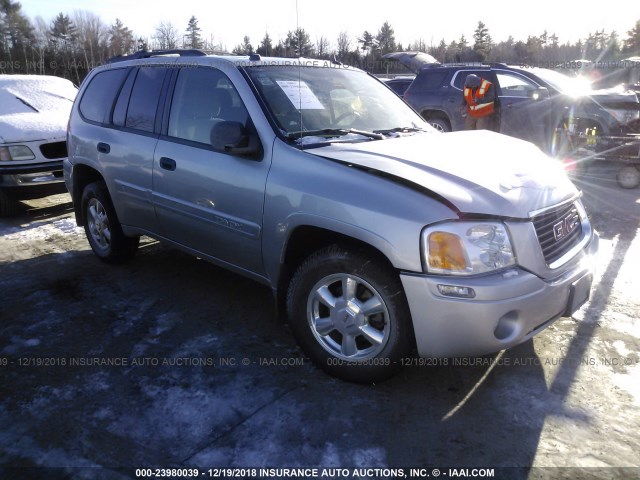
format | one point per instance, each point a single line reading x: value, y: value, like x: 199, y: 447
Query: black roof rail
x: 193, y: 52
x: 457, y: 64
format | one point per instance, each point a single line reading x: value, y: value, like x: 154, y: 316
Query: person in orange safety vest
x: 479, y: 97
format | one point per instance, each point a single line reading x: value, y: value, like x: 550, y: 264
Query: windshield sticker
x: 264, y: 80
x: 300, y: 95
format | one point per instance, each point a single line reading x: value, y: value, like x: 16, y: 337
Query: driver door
x: 522, y: 113
x: 208, y: 201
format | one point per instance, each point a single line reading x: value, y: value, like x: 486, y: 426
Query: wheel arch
x: 83, y: 175
x: 432, y: 114
x: 306, y: 239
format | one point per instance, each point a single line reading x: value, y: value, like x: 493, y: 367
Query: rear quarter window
x: 100, y: 94
x: 429, y: 80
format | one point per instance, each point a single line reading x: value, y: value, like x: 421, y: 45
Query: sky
x: 229, y: 21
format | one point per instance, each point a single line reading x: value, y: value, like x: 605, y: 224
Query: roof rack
x: 468, y: 64
x: 157, y: 53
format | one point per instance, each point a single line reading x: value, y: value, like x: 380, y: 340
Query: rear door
x: 119, y: 134
x: 207, y: 201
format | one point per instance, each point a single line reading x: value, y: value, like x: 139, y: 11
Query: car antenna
x: 299, y: 73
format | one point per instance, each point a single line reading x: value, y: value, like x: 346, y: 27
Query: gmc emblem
x: 565, y: 226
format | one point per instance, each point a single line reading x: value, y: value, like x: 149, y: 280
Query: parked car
x: 533, y: 103
x: 378, y: 235
x: 34, y: 111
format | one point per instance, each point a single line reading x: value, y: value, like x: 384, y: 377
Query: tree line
x: 71, y: 45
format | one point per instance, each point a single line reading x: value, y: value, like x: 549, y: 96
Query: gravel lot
x: 170, y: 362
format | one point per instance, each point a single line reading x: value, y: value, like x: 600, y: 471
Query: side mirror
x: 540, y: 93
x: 234, y: 138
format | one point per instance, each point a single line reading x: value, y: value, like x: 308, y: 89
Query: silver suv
x: 378, y: 235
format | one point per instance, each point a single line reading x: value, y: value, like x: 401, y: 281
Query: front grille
x: 54, y: 150
x: 558, y: 231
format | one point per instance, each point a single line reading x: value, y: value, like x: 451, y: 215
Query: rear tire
x: 8, y: 206
x: 350, y: 315
x: 102, y: 227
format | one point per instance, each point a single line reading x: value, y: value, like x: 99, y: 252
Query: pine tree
x: 266, y: 46
x: 386, y: 39
x: 15, y: 28
x: 482, y: 45
x: 298, y: 44
x: 367, y: 42
x: 245, y: 48
x: 63, y: 33
x: 193, y: 39
x: 121, y: 40
x: 632, y: 43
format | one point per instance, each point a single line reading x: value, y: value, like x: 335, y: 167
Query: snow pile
x: 34, y: 107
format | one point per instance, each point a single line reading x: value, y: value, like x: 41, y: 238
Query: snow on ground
x: 566, y: 405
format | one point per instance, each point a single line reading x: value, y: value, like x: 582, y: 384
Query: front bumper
x: 35, y: 180
x: 508, y: 309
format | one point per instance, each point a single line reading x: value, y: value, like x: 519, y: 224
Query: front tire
x: 440, y: 124
x: 628, y: 177
x: 349, y: 313
x: 102, y: 227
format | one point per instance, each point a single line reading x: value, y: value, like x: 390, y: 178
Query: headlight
x: 624, y: 116
x: 16, y: 152
x: 466, y: 248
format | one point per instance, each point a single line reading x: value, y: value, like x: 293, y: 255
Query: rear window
x: 99, y: 96
x: 430, y: 80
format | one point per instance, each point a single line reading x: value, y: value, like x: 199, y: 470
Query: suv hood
x: 414, y: 61
x: 479, y: 172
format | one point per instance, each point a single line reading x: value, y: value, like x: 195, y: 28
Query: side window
x: 120, y: 110
x: 99, y: 96
x: 203, y: 97
x: 461, y: 76
x: 143, y: 104
x: 514, y: 85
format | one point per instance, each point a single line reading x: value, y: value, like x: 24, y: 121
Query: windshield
x: 332, y: 102
x: 562, y: 82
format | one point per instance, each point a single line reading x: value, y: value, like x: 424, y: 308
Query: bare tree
x: 93, y: 35
x: 322, y: 47
x: 166, y: 36
x: 40, y: 44
x: 344, y: 45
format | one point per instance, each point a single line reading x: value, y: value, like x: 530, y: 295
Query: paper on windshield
x: 300, y: 95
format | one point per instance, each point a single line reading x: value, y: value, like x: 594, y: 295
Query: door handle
x: 167, y: 163
x: 104, y: 147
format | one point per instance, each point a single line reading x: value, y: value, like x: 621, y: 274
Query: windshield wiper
x: 334, y: 132
x: 28, y: 104
x: 400, y: 130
